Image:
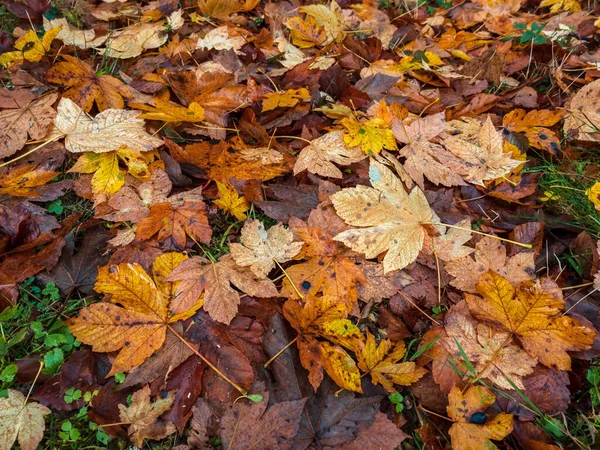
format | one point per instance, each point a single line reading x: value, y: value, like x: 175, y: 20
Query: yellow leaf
x: 230, y: 202
x: 24, y: 181
x: 593, y: 194
x: 557, y: 6
x: 33, y: 49
x: 331, y: 19
x: 391, y: 219
x: 340, y: 366
x: 382, y: 363
x: 373, y: 135
x: 167, y: 111
x: 284, y: 99
x: 71, y: 35
x: 223, y: 9
x: 533, y: 312
x: 137, y: 327
x: 466, y: 435
x: 133, y: 40
x: 306, y: 33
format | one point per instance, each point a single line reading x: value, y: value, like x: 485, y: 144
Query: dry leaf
x: 70, y: 35
x: 449, y: 246
x: 372, y: 136
x: 284, y: 99
x: 223, y: 9
x: 230, y: 202
x: 133, y: 40
x: 21, y: 421
x: 582, y: 116
x: 166, y: 111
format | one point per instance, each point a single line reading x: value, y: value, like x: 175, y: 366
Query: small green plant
x: 55, y: 207
x: 397, y: 400
x: 532, y: 34
x: 593, y: 377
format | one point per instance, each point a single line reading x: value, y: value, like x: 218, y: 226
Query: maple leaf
x: 557, y: 6
x: 491, y: 352
x: 222, y: 38
x: 169, y: 112
x: 381, y: 362
x: 107, y: 176
x: 133, y: 40
x: 320, y: 155
x: 534, y: 125
x: 216, y: 280
x: 327, y: 269
x: 373, y: 135
x: 70, y: 35
x: 142, y: 415
x: 320, y: 317
x: 465, y: 434
x: 21, y: 420
x: 391, y: 219
x: 582, y: 115
x: 29, y: 116
x: 260, y: 250
x: 532, y: 312
x: 306, y: 33
x: 85, y: 87
x: 230, y: 202
x: 30, y: 47
x: 449, y: 246
x: 284, y: 99
x: 593, y: 195
x: 490, y: 254
x: 138, y: 327
x: 24, y: 181
x: 425, y: 158
x: 253, y: 425
x: 108, y: 131
x: 486, y: 160
x: 223, y: 9
x: 330, y: 18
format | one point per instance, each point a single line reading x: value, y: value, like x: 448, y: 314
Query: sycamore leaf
x: 382, y: 363
x: 253, y: 425
x: 533, y: 312
x: 223, y: 9
x: 30, y: 48
x: 133, y: 40
x: 169, y: 112
x: 327, y: 268
x: 138, y: 327
x: 593, y: 195
x: 70, y: 35
x: 107, y: 176
x: 21, y: 421
x: 24, y: 181
x: 142, y: 416
x: 216, y: 281
x: 340, y: 366
x: 222, y: 38
x: 557, y: 6
x: 467, y: 435
x: 449, y: 246
x: 108, y: 131
x: 425, y: 158
x: 284, y: 99
x: 306, y: 33
x: 582, y: 116
x: 260, y: 249
x: 492, y: 352
x: 230, y: 202
x: 320, y: 155
x: 391, y: 219
x: 85, y: 87
x: 490, y: 254
x: 534, y: 125
x: 486, y: 159
x: 28, y: 117
x: 330, y: 18
x: 373, y: 135
x: 319, y: 317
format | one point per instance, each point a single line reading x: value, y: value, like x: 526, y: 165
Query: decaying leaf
x: 21, y: 421
x: 372, y: 136
x: 167, y: 111
x: 133, y: 40
x: 230, y: 202
x: 285, y: 99
x: 261, y: 250
x: 582, y: 117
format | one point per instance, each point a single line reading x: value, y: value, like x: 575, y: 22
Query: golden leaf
x: 24, y: 181
x: 382, y: 363
x: 373, y: 135
x: 223, y: 9
x: 557, y: 6
x: 167, y: 111
x: 30, y: 47
x: 230, y: 202
x: 340, y: 366
x: 330, y: 18
x: 284, y: 99
x: 471, y: 436
x: 260, y: 249
x: 391, y: 220
x: 108, y: 131
x: 593, y: 194
x: 306, y: 33
x: 533, y: 312
x: 133, y: 40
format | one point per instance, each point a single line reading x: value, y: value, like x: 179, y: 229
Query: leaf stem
x: 479, y: 232
x: 208, y: 363
x: 33, y: 384
x: 29, y: 152
x: 290, y: 280
x: 288, y: 345
x: 416, y: 306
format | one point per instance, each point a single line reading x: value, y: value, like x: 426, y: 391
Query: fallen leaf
x: 320, y: 155
x: 142, y: 415
x: 465, y: 434
x: 231, y: 203
x: 306, y: 33
x: 372, y: 136
x: 166, y: 111
x: 533, y: 313
x: 284, y: 99
x: 85, y: 87
x: 535, y: 126
x: 70, y: 35
x: 216, y: 281
x: 220, y: 9
x: 330, y: 18
x: 138, y: 327
x: 449, y: 246
x: 382, y: 434
x: 29, y: 117
x: 340, y: 366
x: 382, y: 363
x: 292, y: 201
x: 108, y: 131
x: 221, y: 38
x: 21, y: 421
x: 260, y: 250
x: 490, y: 254
x: 133, y: 40
x: 392, y: 220
x: 29, y: 47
